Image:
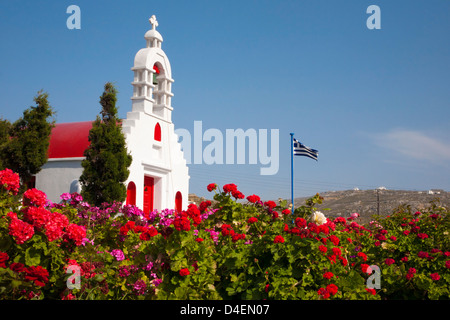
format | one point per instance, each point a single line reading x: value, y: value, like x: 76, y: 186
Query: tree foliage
x: 105, y: 167
x: 24, y: 144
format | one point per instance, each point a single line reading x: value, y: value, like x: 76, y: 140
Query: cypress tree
x: 24, y: 144
x: 105, y: 167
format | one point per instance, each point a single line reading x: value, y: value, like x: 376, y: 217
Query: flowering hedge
x: 235, y: 248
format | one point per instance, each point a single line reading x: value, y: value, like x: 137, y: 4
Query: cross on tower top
x: 153, y: 22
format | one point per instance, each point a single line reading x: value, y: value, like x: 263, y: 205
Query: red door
x: 148, y: 194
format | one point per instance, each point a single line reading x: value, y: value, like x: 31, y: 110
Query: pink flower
x: 353, y: 216
x: 118, y: 254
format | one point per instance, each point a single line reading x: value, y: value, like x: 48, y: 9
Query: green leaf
x: 5, y: 243
x: 16, y: 283
x: 32, y: 257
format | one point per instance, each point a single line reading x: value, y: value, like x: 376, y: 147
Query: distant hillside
x: 368, y: 203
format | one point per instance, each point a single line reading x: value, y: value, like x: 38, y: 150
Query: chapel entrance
x: 149, y: 184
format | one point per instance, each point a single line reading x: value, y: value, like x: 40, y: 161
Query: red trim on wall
x: 157, y: 132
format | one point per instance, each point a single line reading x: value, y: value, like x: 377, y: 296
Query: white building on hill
x: 159, y: 176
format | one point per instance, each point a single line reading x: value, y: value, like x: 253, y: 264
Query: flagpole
x: 292, y: 172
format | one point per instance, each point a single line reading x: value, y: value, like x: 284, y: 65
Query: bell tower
x: 152, y: 85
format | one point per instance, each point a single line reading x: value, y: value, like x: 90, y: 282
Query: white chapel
x: 159, y: 177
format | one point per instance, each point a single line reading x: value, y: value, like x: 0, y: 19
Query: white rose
x: 318, y: 218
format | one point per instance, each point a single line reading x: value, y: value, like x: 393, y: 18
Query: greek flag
x: 302, y: 150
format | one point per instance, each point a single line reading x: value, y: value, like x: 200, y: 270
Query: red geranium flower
x: 182, y: 224
x: 300, y: 222
x: 323, y: 293
x: 332, y: 289
x: 229, y: 188
x: 10, y: 180
x: 422, y: 235
x: 252, y: 220
x: 278, y: 239
x: 286, y: 211
x: 328, y: 275
x: 35, y: 197
x: 270, y: 204
x: 211, y: 187
x: 3, y: 258
x: 237, y: 194
x: 253, y: 198
x: 435, y: 276
x: 364, y: 267
x: 389, y: 261
x: 184, y: 272
x: 204, y: 205
x: 37, y: 274
x: 17, y: 267
x: 337, y: 251
x: 226, y: 229
x: 371, y: 291
x: 362, y: 255
x: 20, y: 230
x: 334, y: 239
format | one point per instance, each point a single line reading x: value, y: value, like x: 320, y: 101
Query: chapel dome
x: 153, y: 34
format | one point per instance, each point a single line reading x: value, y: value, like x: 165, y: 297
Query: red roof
x: 69, y: 140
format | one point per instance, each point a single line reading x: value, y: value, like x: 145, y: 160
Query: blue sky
x: 375, y: 103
